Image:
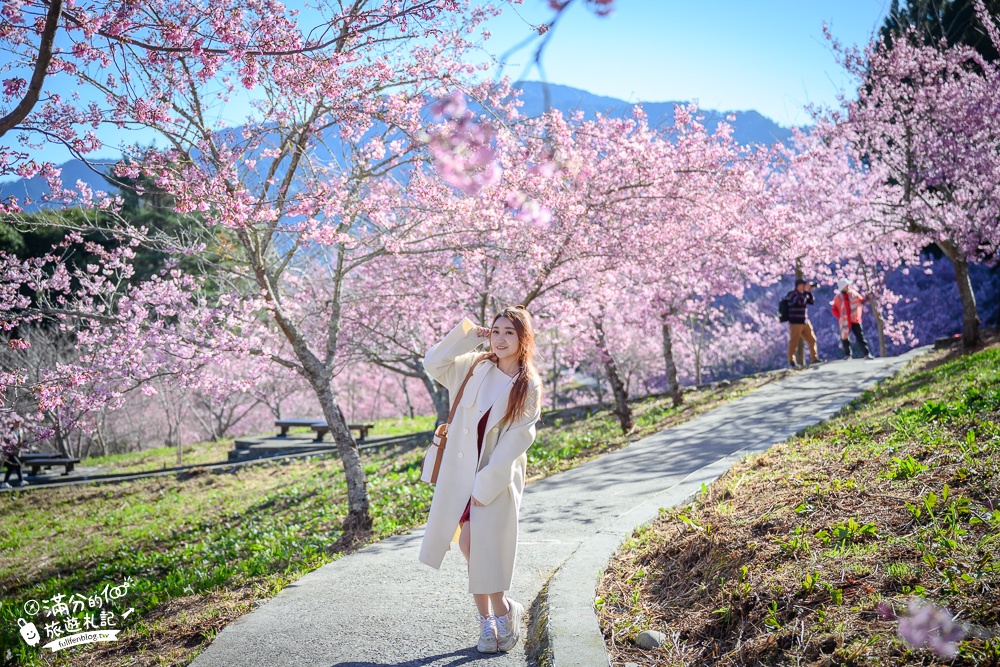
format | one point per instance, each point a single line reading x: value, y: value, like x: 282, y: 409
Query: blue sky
x: 730, y: 55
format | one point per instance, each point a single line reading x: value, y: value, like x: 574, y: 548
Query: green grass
x: 402, y: 426
x: 159, y: 458
x: 200, y: 548
x: 898, y: 497
x: 262, y: 525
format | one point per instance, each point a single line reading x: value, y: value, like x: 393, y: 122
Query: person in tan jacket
x: 481, y: 480
x: 799, y: 327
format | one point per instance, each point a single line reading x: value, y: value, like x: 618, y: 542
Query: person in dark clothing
x: 799, y: 327
x: 13, y: 464
x: 10, y: 456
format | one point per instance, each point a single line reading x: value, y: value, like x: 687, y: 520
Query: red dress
x: 481, y: 430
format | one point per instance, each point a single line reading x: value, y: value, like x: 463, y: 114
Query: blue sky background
x: 729, y: 55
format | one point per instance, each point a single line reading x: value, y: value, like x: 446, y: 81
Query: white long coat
x: 497, y: 480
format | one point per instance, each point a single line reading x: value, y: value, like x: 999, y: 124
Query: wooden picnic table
x: 321, y: 428
x: 285, y: 424
x: 36, y: 463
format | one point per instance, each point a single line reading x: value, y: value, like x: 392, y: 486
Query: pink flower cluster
x: 462, y: 146
x: 927, y: 625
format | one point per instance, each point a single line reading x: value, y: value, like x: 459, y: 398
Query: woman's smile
x: 503, y: 338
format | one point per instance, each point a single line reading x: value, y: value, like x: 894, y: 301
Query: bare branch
x: 31, y: 96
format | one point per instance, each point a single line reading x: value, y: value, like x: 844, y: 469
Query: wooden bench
x: 322, y: 428
x: 36, y: 463
x: 285, y: 424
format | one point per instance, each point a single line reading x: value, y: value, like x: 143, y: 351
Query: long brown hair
x: 525, y: 331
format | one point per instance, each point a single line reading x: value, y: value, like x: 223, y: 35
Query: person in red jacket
x: 847, y: 309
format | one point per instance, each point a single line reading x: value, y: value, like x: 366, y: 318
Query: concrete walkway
x: 380, y: 606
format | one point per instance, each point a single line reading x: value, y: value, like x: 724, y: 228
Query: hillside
x: 750, y: 127
x: 814, y: 551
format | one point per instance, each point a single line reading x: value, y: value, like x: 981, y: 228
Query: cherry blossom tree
x: 315, y: 174
x: 122, y: 337
x: 924, y: 124
x: 830, y: 214
x: 412, y: 300
x: 608, y: 216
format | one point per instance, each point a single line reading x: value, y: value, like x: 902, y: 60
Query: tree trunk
x: 406, y: 394
x: 622, y: 408
x: 439, y: 396
x: 375, y: 401
x: 970, y: 318
x: 77, y: 449
x: 101, y: 431
x: 879, y: 325
x: 873, y: 304
x: 599, y: 385
x: 57, y: 433
x: 358, y: 515
x: 697, y: 365
x: 673, y: 387
x: 555, y: 376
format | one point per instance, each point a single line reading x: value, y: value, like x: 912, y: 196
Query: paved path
x: 380, y: 606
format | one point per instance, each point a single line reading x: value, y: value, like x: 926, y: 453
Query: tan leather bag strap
x: 458, y: 396
x: 447, y: 424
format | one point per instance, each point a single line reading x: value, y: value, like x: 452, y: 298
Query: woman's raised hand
x: 483, y: 332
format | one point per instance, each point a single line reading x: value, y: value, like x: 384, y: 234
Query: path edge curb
x: 574, y: 635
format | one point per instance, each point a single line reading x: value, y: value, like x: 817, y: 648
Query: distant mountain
x: 749, y: 127
x: 72, y: 171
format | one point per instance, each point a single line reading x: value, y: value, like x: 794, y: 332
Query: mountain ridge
x: 749, y: 127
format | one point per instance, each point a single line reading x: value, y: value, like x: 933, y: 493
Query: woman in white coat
x: 479, y: 487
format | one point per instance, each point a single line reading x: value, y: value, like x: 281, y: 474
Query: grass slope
x: 785, y: 559
x: 202, y: 548
x: 159, y: 458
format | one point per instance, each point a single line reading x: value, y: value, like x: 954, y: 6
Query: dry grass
x: 784, y: 559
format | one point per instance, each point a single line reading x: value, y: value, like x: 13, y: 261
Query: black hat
x: 802, y: 281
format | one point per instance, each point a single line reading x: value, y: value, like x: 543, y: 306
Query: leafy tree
x: 954, y: 21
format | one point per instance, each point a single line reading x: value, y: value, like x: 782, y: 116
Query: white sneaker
x: 487, y: 634
x: 509, y: 626
x: 4, y: 485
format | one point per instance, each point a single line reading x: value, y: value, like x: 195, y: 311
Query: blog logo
x: 75, y: 619
x: 29, y: 633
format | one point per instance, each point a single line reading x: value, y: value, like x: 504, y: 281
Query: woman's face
x: 503, y: 339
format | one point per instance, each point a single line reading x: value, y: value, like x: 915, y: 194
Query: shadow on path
x: 465, y: 657
x: 381, y: 606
